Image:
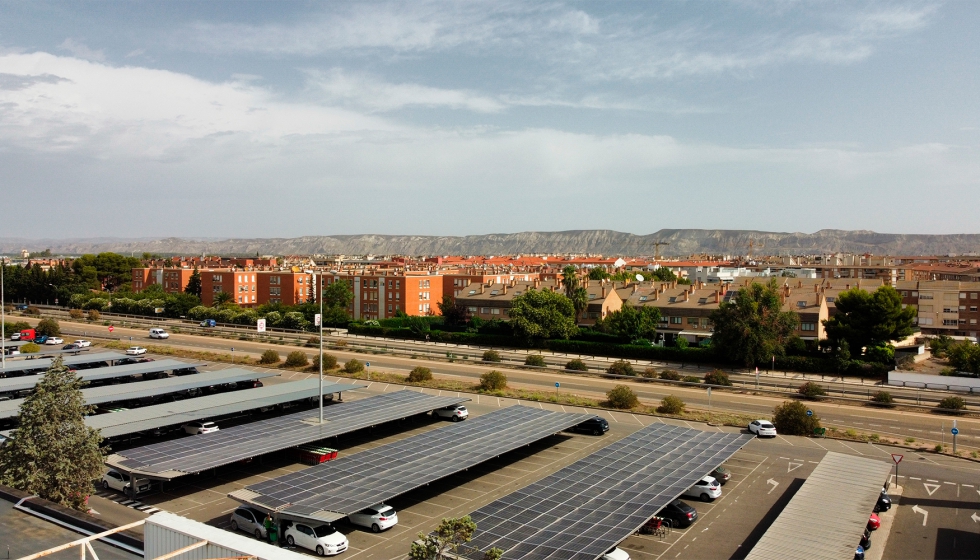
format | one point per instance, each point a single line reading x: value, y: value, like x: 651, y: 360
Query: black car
x: 595, y: 426
x: 884, y: 502
x: 679, y: 513
x: 71, y: 346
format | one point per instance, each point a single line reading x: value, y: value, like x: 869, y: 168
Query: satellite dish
x: 639, y: 277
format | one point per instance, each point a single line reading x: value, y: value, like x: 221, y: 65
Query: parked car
x: 679, y: 513
x: 11, y: 351
x: 706, y: 489
x: 159, y: 333
x: 762, y: 428
x: 198, y: 427
x: 616, y: 553
x: 250, y: 521
x: 324, y: 539
x: 595, y: 426
x: 208, y: 323
x: 71, y: 346
x: 455, y: 412
x: 874, y: 522
x: 122, y: 482
x: 83, y: 343
x: 54, y: 340
x: 722, y: 475
x: 186, y: 371
x: 43, y: 339
x: 884, y: 502
x: 135, y: 351
x: 377, y: 517
x: 15, y: 336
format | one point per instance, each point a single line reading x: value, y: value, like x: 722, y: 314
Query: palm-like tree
x: 222, y: 298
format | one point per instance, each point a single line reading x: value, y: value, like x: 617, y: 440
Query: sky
x: 283, y: 119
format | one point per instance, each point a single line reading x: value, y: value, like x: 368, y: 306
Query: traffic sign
x: 260, y: 325
x: 367, y: 364
x: 111, y: 328
x: 954, y: 431
x: 316, y: 320
x: 557, y: 384
x: 897, y: 458
x: 809, y: 413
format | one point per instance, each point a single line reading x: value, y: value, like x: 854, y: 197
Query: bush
x: 48, y: 327
x: 881, y: 355
x: 681, y: 343
x: 419, y: 374
x: 269, y: 357
x: 534, y: 360
x: 649, y: 373
x: 76, y: 314
x: 297, y: 358
x: 691, y: 379
x: 353, y: 366
x: 811, y: 390
x: 29, y: 348
x: 576, y: 365
x: 31, y: 310
x: 717, y: 377
x: 329, y: 361
x: 790, y: 419
x: 952, y: 403
x: 94, y: 315
x: 622, y: 396
x: 883, y: 398
x: 491, y: 356
x: 493, y: 380
x: 670, y: 375
x: 671, y: 405
x: 621, y: 367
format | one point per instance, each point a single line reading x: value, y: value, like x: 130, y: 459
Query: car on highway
x: 874, y: 522
x: 248, y: 520
x: 679, y: 513
x: 135, y: 351
x: 377, y: 517
x: 159, y: 333
x: 706, y: 489
x: 54, y: 340
x: 83, y: 343
x: 199, y: 427
x: 616, y: 553
x: 455, y: 412
x: 762, y: 428
x: 884, y: 502
x: 324, y: 539
x: 722, y: 475
x: 208, y: 323
x: 595, y: 426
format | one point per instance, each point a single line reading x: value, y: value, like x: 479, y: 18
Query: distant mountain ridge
x: 682, y: 242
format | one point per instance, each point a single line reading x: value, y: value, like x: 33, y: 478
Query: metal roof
x: 165, y: 533
x: 347, y: 485
x: 943, y: 382
x: 828, y: 514
x: 17, y: 366
x: 25, y: 382
x: 179, y: 412
x: 170, y: 459
x: 128, y: 391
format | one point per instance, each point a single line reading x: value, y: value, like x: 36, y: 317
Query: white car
x: 377, y: 517
x: 324, y: 539
x: 159, y: 333
x: 121, y: 482
x: 83, y: 343
x: 250, y: 521
x: 762, y: 428
x: 195, y: 428
x: 455, y: 412
x: 55, y: 340
x: 616, y: 553
x: 135, y: 351
x: 706, y: 489
x: 15, y: 336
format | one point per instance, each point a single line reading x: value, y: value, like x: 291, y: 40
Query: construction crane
x: 656, y: 251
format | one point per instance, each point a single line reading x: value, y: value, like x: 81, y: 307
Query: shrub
x: 76, y: 314
x: 671, y: 405
x: 269, y: 357
x: 313, y: 341
x: 493, y: 380
x: 790, y: 419
x: 353, y: 366
x: 811, y: 390
x: 621, y: 367
x: 576, y: 365
x: 717, y: 377
x: 48, y: 327
x: 670, y: 375
x: 952, y: 403
x: 881, y: 355
x: 681, y: 343
x: 420, y: 373
x: 938, y: 448
x: 649, y: 373
x: 30, y: 348
x: 883, y: 398
x: 31, y: 310
x: 534, y: 360
x: 691, y: 379
x: 340, y: 343
x: 297, y: 358
x: 622, y: 396
x: 491, y: 356
x: 94, y: 315
x: 329, y: 361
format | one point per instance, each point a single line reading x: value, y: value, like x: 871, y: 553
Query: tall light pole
x: 319, y: 295
x: 3, y: 318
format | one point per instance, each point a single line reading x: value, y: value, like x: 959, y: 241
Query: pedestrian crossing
x: 127, y: 501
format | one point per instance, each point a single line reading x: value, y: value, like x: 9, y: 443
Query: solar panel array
x: 19, y: 366
x: 156, y: 387
x: 26, y: 382
x: 206, y: 451
x: 590, y: 506
x: 352, y: 483
x: 211, y: 406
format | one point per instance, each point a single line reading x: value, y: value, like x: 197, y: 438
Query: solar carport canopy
x: 20, y: 366
x: 156, y: 387
x: 180, y: 412
x: 26, y: 382
x: 347, y: 485
x: 828, y: 514
x: 590, y: 506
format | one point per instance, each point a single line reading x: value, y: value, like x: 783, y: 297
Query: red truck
x: 28, y: 335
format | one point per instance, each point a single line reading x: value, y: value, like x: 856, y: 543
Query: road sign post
x: 897, y: 459
x: 260, y: 325
x: 955, y: 431
x: 557, y: 385
x: 111, y: 328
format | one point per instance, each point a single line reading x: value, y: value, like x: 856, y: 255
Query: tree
x: 869, y: 319
x: 48, y: 327
x: 752, y: 328
x: 574, y: 291
x: 790, y: 418
x: 222, y: 298
x: 194, y: 283
x: 664, y: 274
x: 542, y: 314
x: 634, y: 324
x: 338, y: 294
x: 453, y: 312
x: 448, y: 536
x: 177, y: 305
x: 964, y: 356
x: 598, y: 274
x: 418, y: 325
x: 53, y: 454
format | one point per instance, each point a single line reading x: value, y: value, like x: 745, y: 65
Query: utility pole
x: 319, y: 296
x: 3, y: 318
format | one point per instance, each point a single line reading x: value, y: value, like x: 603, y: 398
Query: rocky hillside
x: 682, y: 242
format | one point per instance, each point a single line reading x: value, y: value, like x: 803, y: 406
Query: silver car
x: 250, y: 521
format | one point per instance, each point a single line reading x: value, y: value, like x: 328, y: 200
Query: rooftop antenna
x: 656, y: 249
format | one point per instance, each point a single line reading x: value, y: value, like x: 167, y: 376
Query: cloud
x: 80, y: 50
x: 376, y: 95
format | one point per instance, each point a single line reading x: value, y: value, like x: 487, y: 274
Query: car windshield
x: 324, y: 530
x: 765, y: 424
x: 386, y: 511
x: 207, y: 424
x: 461, y: 408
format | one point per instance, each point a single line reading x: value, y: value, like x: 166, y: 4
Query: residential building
x: 381, y: 294
x: 944, y: 307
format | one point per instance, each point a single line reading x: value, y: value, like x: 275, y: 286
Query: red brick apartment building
x: 173, y: 280
x: 382, y: 294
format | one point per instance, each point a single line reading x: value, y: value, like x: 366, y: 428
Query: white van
x: 159, y: 333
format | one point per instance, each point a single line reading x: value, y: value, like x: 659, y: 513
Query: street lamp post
x: 3, y: 318
x: 319, y: 295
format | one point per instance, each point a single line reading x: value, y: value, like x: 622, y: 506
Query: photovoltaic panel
x: 26, y: 382
x: 352, y: 483
x: 15, y: 367
x: 194, y: 454
x: 592, y: 505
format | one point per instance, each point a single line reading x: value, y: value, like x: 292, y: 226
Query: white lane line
x: 914, y: 478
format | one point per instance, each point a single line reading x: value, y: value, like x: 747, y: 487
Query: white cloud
x: 374, y: 94
x: 80, y: 50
